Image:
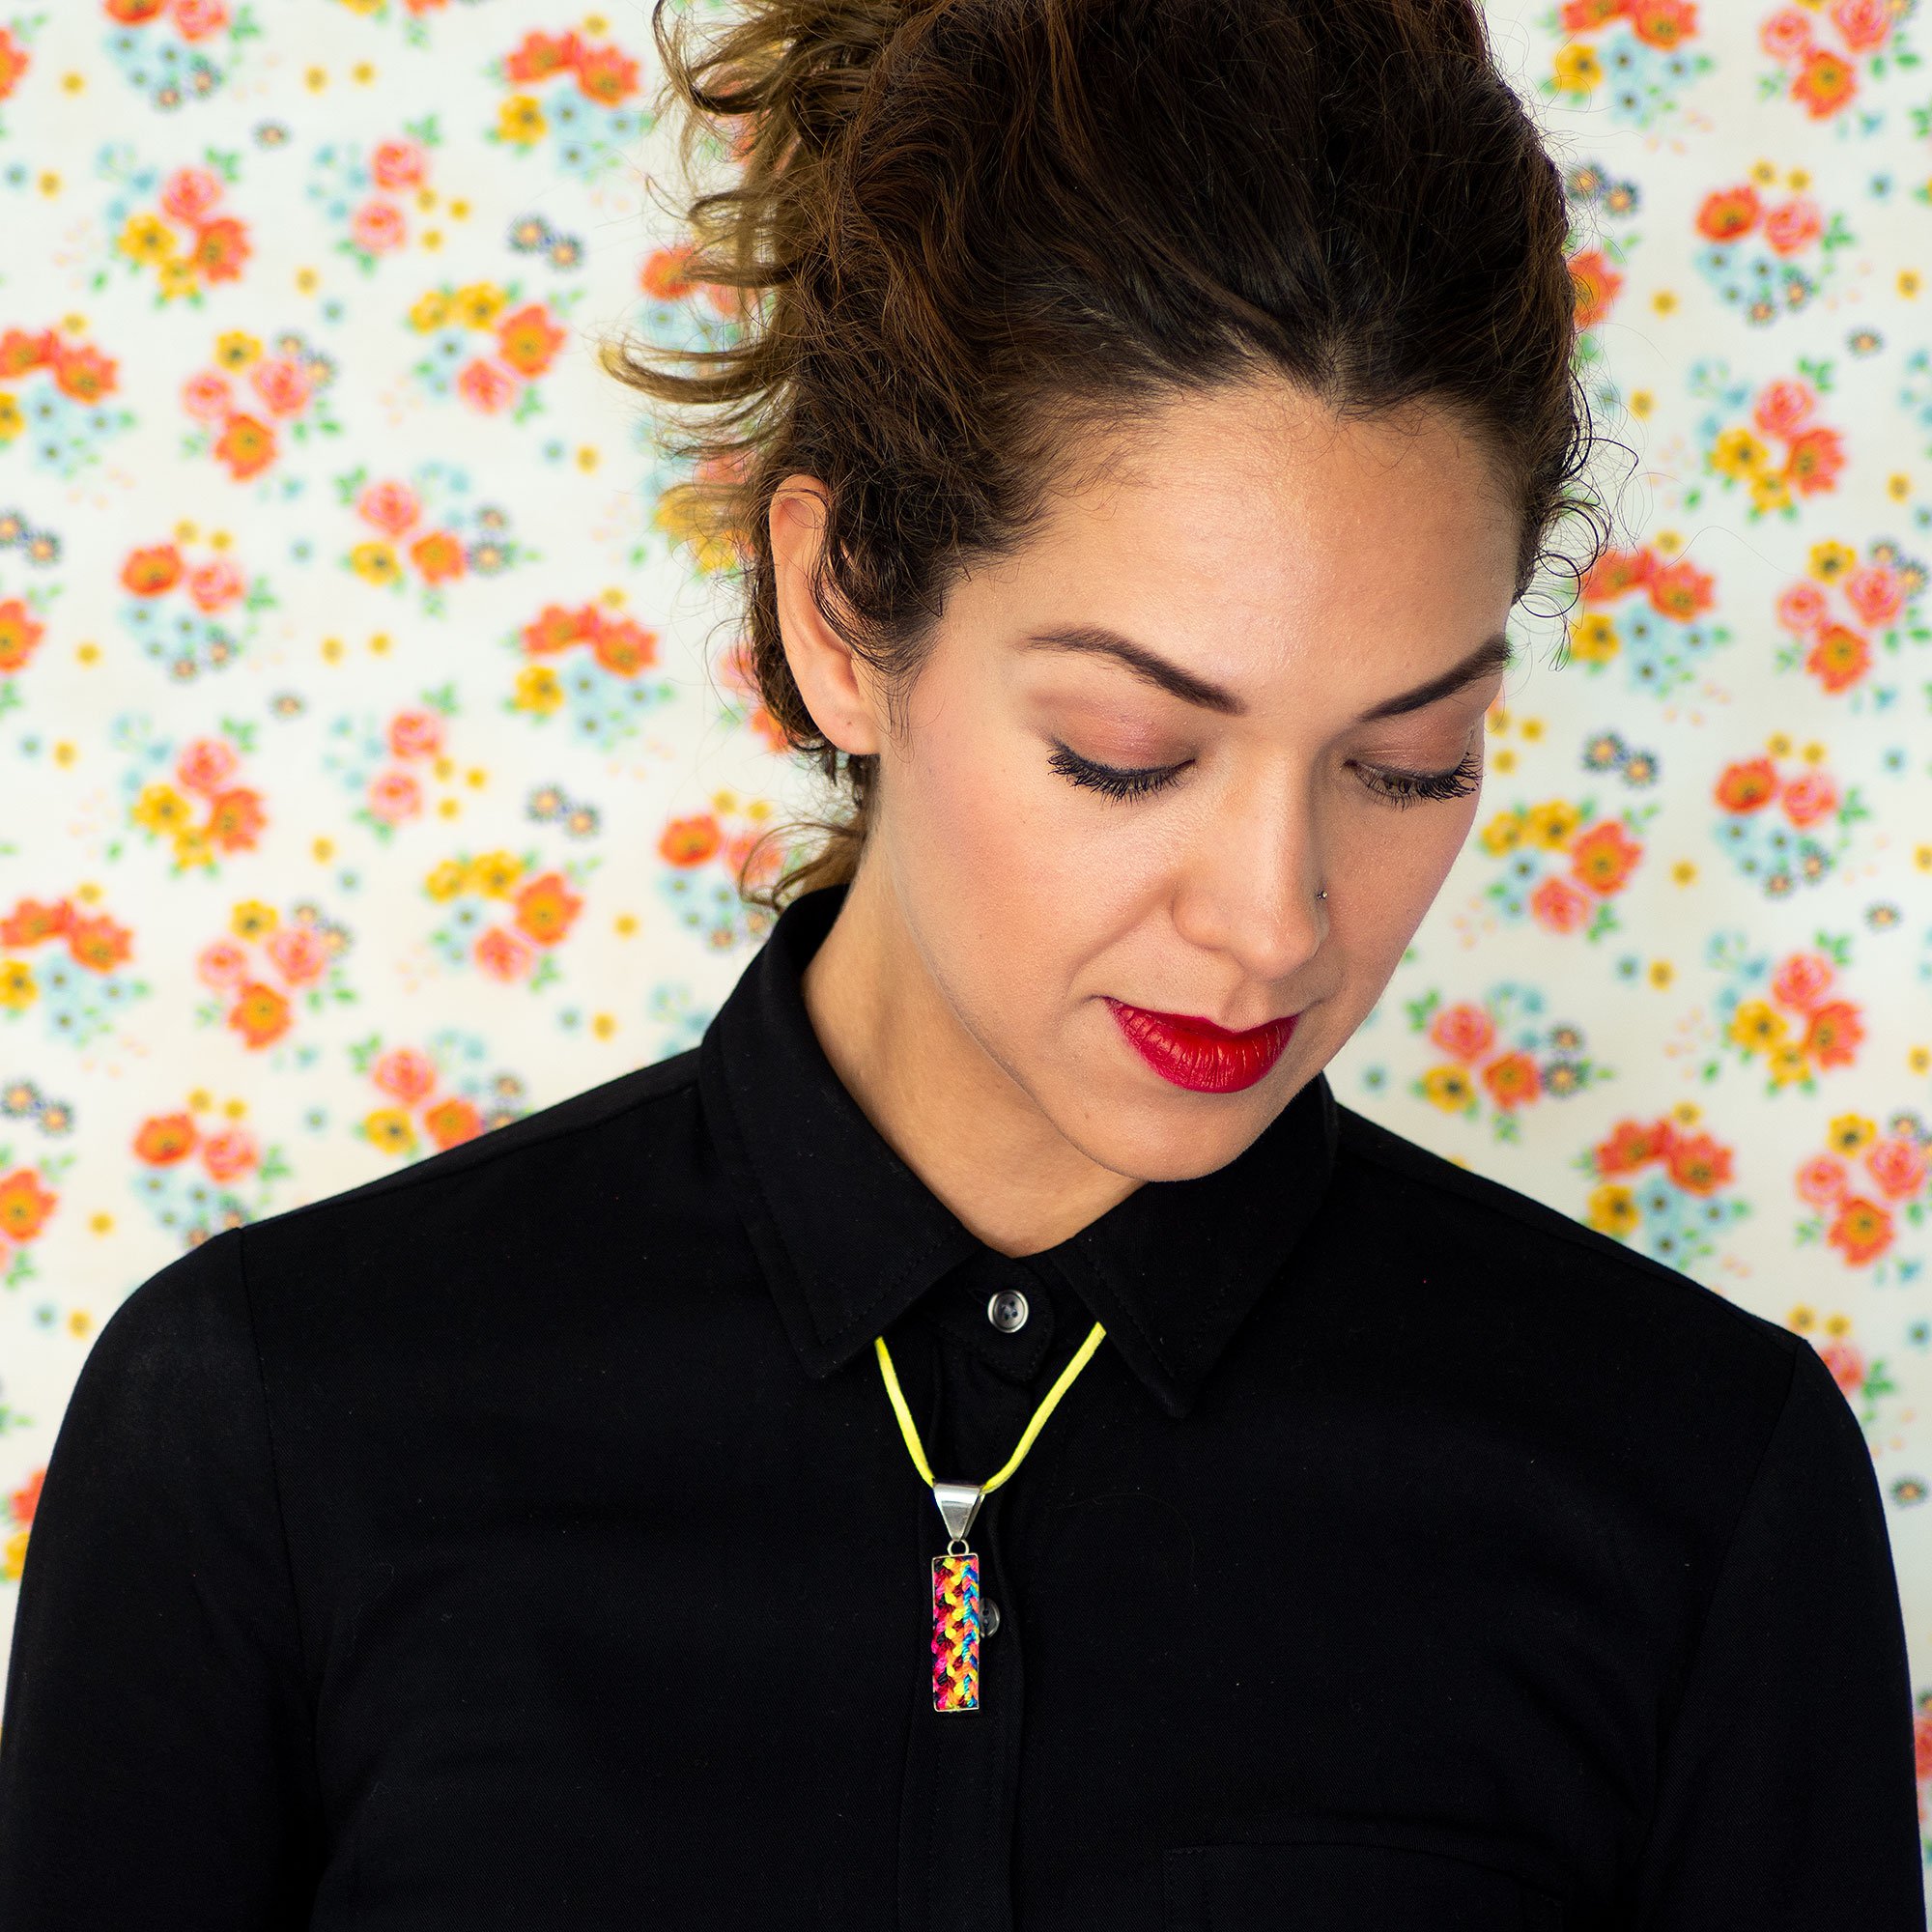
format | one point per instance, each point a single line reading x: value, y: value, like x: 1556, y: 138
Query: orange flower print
x: 246, y: 446
x: 164, y: 1139
x: 1747, y: 785
x: 14, y: 62
x: 236, y: 819
x: 1824, y: 83
x: 99, y: 944
x: 542, y: 55
x: 438, y: 556
x: 152, y: 573
x: 1729, y: 213
x: 1632, y: 1145
x: 1603, y: 857
x: 690, y: 842
x: 1512, y: 1080
x: 452, y: 1120
x: 31, y: 921
x: 1832, y: 1039
x: 1698, y: 1164
x: 528, y: 340
x: 546, y: 909
x: 82, y: 372
x: 220, y: 249
x: 1861, y: 1230
x: 1664, y: 23
x: 19, y: 633
x: 24, y: 1205
x: 261, y: 1014
x: 624, y: 647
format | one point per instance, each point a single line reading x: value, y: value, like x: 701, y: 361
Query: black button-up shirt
x: 525, y: 1538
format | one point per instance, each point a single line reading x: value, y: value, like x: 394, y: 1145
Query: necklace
x: 955, y: 1576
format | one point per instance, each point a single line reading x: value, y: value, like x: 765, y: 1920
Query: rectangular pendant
x: 956, y: 1631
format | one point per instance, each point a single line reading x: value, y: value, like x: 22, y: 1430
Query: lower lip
x: 1197, y: 1054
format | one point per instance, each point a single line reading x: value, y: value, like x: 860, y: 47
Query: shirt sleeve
x: 156, y: 1747
x: 1787, y: 1799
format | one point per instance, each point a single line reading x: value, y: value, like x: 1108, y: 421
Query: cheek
x: 1011, y: 876
x: 1390, y: 875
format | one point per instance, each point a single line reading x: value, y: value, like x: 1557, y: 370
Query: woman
x: 986, y: 1439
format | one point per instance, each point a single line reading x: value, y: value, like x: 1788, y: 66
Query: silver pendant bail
x: 958, y: 1504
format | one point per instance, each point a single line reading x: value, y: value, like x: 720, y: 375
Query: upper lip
x: 1201, y: 1021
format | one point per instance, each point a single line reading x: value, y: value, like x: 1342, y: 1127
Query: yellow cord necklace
x: 955, y: 1576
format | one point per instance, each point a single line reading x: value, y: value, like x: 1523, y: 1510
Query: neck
x: 954, y: 1115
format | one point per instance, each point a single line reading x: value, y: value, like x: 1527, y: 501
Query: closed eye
x: 1400, y: 788
x: 1114, y: 780
x: 1393, y: 786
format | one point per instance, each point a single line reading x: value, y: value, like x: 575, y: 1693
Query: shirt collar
x: 849, y: 1237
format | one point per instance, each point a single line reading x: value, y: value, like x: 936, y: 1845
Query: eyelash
x: 1397, y: 788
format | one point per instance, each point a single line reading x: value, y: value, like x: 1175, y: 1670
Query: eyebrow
x: 1494, y: 654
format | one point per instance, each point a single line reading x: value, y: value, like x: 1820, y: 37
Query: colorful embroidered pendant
x: 956, y: 1631
x: 955, y: 1603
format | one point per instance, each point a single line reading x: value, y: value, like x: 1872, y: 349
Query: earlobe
x: 830, y: 678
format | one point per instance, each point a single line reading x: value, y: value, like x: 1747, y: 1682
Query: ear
x: 838, y: 687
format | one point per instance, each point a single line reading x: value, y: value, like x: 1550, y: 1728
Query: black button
x: 989, y: 1617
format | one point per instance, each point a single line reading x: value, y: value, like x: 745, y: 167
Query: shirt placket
x: 961, y: 1788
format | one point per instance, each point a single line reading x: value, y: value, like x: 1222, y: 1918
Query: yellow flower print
x: 1448, y: 1087
x: 1594, y: 640
x: 12, y: 421
x: 175, y: 279
x: 520, y: 120
x: 17, y: 990
x: 476, y: 304
x: 389, y: 1128
x: 375, y: 563
x: 431, y: 312
x: 1737, y: 453
x: 13, y: 1555
x: 1769, y: 492
x: 1827, y: 563
x: 537, y: 689
x: 236, y: 349
x: 447, y: 880
x: 1757, y: 1026
x: 252, y: 919
x: 1613, y: 1209
x: 146, y: 238
x: 1788, y: 1064
x: 1553, y: 823
x: 194, y: 846
x: 1577, y: 69
x: 494, y: 873
x: 1849, y: 1133
x: 1503, y: 834
x: 160, y: 808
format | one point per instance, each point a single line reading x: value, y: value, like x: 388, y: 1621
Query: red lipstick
x: 1196, y: 1053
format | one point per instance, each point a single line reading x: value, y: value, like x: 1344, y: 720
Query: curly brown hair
x: 963, y: 234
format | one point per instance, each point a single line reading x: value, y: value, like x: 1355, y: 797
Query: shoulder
x: 1477, y: 1218
x: 1524, y: 1298
x: 481, y: 1236
x: 544, y: 1162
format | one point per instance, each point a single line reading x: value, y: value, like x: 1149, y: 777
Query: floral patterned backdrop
x: 374, y: 760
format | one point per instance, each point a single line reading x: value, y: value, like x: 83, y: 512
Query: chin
x: 1175, y: 1135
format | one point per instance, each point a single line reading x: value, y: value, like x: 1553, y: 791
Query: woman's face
x: 1251, y: 669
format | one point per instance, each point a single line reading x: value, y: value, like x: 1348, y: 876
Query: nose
x: 1246, y: 885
